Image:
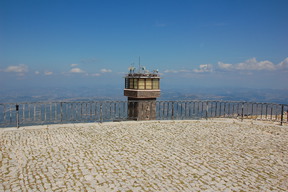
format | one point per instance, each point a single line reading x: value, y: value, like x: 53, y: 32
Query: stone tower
x: 142, y: 88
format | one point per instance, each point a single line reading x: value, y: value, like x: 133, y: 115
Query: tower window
x: 155, y: 84
x: 135, y: 84
x: 126, y: 83
x: 141, y: 83
x: 131, y: 84
x: 148, y: 83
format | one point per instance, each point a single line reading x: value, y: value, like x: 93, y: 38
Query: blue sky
x: 193, y: 43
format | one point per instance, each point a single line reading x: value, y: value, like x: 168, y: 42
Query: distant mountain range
x: 229, y: 94
x: 116, y: 93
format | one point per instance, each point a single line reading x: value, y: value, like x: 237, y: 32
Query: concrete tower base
x: 141, y: 109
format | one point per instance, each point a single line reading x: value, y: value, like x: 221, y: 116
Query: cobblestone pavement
x: 146, y: 156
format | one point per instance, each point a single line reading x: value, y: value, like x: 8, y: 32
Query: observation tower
x: 142, y: 88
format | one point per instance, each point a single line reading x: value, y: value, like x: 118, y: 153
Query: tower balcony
x: 142, y: 94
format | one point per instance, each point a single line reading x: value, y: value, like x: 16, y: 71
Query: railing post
x: 266, y: 116
x: 23, y: 113
x: 252, y: 110
x: 172, y: 111
x: 220, y: 109
x: 242, y: 111
x: 101, y: 115
x: 163, y: 111
x: 17, y: 115
x: 61, y: 112
x: 261, y: 110
x: 216, y: 108
x: 206, y: 110
x: 233, y: 110
x: 211, y: 109
x: 271, y: 113
x: 282, y: 114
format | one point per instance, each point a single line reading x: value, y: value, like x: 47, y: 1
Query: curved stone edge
x: 95, y: 124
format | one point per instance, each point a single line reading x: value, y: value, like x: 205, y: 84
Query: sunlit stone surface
x: 218, y: 155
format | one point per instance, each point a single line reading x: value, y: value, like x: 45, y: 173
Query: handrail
x: 31, y: 113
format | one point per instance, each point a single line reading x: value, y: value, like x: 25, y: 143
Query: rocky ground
x: 213, y: 155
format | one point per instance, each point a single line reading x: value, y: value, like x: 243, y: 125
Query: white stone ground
x: 213, y: 155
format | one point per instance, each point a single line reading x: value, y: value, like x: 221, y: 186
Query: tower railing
x: 37, y: 113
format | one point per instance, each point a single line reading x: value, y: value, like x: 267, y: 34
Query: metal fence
x: 20, y: 114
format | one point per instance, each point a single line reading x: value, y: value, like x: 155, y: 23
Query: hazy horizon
x: 112, y: 92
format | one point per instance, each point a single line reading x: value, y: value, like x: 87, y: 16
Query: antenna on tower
x: 139, y: 64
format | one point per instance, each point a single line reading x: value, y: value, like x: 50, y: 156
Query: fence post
x: 101, y: 115
x: 172, y: 111
x: 216, y: 108
x: 242, y: 111
x: 261, y: 110
x: 224, y: 109
x: 206, y: 110
x: 17, y: 115
x: 282, y: 114
x: 61, y: 112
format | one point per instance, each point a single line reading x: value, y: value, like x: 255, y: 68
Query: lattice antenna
x: 131, y: 69
x: 139, y: 64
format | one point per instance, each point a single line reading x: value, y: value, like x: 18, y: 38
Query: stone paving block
x: 146, y: 156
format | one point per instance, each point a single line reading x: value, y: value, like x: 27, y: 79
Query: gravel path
x: 218, y: 155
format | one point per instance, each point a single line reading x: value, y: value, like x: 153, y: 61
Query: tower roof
x: 142, y: 72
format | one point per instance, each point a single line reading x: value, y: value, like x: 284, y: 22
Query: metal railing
x: 20, y: 114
